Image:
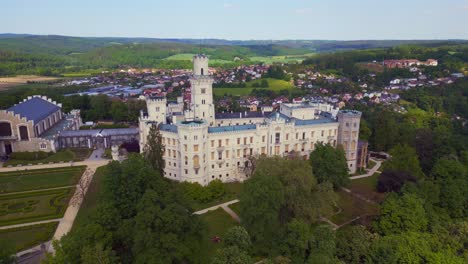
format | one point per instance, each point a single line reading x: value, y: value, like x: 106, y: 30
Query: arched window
x: 186, y: 160
x: 5, y: 129
x: 24, y: 135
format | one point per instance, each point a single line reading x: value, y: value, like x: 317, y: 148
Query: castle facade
x: 201, y: 145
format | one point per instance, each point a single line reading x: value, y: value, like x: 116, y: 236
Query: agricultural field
x: 273, y: 85
x: 8, y: 82
x: 33, y: 206
x: 281, y: 59
x: 28, y: 236
x: 188, y: 57
x: 25, y: 180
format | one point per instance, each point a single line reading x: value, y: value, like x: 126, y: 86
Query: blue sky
x: 239, y: 19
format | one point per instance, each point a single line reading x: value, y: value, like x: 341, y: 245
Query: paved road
x: 31, y: 223
x: 371, y: 172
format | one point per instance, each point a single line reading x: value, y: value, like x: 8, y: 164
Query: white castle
x: 201, y: 146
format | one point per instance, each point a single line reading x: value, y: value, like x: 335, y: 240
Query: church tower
x: 202, y: 91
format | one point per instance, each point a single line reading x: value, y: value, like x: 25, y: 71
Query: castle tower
x: 348, y: 135
x: 157, y: 108
x: 202, y: 91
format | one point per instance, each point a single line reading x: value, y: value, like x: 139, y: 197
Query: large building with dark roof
x: 33, y: 124
x: 201, y: 145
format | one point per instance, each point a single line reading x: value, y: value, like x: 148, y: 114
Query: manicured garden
x: 352, y: 207
x: 216, y: 224
x: 28, y: 236
x: 25, y: 180
x: 33, y: 206
x: 26, y: 158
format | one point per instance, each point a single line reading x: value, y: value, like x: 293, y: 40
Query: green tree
x: 353, y: 243
x: 329, y: 164
x: 411, y: 247
x: 260, y: 202
x: 98, y: 254
x: 231, y: 255
x: 154, y: 149
x: 119, y: 111
x: 400, y: 214
x: 295, y: 244
x: 239, y: 237
x: 404, y: 158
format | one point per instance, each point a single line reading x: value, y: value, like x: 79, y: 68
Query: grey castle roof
x: 241, y: 115
x: 35, y: 109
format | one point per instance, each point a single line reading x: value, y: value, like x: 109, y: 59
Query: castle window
x: 201, y: 71
x: 297, y: 135
x: 203, y: 91
x: 195, y: 147
x: 195, y: 137
x: 186, y: 160
x: 24, y: 133
x: 43, y: 146
x: 227, y: 174
x: 238, y: 141
x: 263, y: 138
x: 347, y: 124
x: 227, y: 142
x: 251, y: 139
x: 277, y: 138
x: 220, y: 143
x: 323, y: 132
x: 355, y: 124
x: 220, y: 155
x: 157, y: 109
x: 303, y: 135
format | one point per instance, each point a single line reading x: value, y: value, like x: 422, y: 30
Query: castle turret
x: 348, y: 135
x: 200, y: 65
x: 202, y: 91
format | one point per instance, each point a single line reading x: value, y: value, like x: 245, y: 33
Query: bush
x: 214, y: 190
x: 30, y: 155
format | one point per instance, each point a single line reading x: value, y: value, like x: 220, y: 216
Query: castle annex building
x: 33, y: 124
x: 201, y: 145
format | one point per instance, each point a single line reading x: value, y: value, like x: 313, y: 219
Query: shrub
x: 393, y: 181
x: 30, y: 155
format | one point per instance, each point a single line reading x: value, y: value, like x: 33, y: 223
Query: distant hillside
x: 54, y: 55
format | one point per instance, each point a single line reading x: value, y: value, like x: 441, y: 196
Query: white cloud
x: 228, y: 5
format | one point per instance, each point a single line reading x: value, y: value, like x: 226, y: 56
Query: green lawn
x: 367, y: 187
x: 26, y: 180
x: 236, y: 208
x: 371, y: 164
x: 274, y: 85
x: 63, y: 155
x: 28, y: 236
x: 90, y: 202
x: 232, y: 192
x: 217, y: 223
x: 351, y: 208
x: 33, y: 206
